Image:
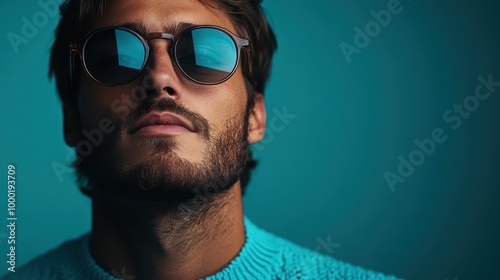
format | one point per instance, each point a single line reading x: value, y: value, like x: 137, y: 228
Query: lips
x: 161, y: 122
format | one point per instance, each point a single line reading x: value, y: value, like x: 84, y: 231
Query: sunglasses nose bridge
x: 160, y: 69
x: 159, y: 35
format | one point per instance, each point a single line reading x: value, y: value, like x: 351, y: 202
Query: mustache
x: 166, y: 104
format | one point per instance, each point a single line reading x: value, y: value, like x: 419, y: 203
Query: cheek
x: 227, y: 102
x: 97, y: 103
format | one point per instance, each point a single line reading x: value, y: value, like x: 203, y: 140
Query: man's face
x: 166, y: 160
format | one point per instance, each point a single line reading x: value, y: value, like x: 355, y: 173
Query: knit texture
x: 263, y: 256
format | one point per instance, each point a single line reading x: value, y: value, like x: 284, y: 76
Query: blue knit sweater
x: 263, y: 256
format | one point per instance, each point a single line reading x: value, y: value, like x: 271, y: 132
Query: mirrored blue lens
x: 114, y: 56
x: 206, y: 55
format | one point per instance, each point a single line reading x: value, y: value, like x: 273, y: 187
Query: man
x: 161, y: 99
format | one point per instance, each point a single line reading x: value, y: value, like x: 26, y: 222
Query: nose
x: 160, y: 76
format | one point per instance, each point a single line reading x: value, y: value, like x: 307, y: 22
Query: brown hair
x: 247, y: 16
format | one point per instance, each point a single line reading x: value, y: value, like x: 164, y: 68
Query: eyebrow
x: 173, y: 28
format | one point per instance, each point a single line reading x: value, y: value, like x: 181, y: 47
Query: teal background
x: 320, y: 176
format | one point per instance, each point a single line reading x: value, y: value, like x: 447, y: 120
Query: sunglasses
x: 114, y: 56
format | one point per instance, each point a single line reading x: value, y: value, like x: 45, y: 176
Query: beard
x: 150, y: 170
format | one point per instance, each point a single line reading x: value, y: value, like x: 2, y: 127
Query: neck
x: 150, y: 241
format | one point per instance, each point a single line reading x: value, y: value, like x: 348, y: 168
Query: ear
x: 71, y: 125
x: 257, y: 120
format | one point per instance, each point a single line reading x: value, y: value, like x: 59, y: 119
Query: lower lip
x: 161, y: 130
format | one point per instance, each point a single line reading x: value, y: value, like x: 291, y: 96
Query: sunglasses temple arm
x: 71, y: 55
x: 73, y: 50
x: 249, y: 63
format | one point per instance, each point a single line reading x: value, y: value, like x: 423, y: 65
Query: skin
x: 127, y: 235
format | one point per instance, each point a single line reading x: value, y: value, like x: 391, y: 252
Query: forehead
x: 155, y: 15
